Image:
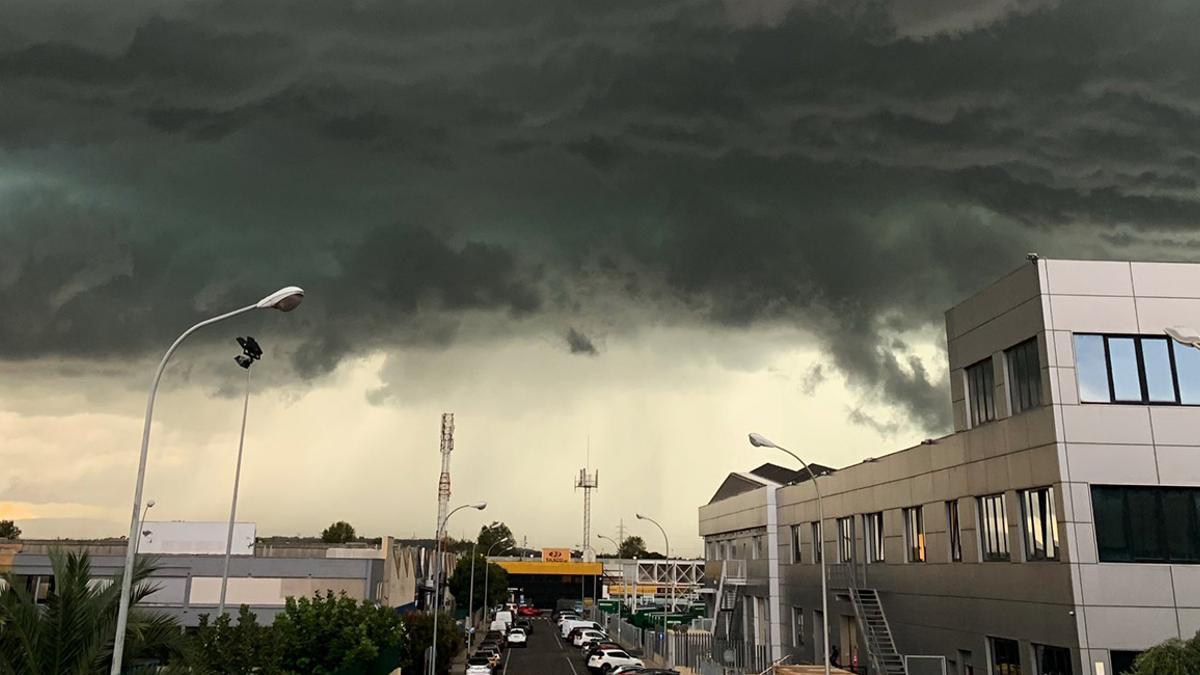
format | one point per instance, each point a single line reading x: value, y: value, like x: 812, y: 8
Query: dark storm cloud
x: 579, y: 343
x: 852, y: 168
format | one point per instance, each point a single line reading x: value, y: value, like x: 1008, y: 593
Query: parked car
x: 588, y: 635
x: 588, y: 642
x: 608, y: 659
x: 564, y: 616
x: 492, y: 654
x: 525, y: 625
x: 479, y: 665
x: 506, y: 616
x: 597, y: 648
x: 498, y: 626
x: 516, y: 638
x: 528, y: 610
x: 623, y: 670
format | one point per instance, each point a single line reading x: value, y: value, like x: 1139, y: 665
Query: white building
x: 1057, y: 530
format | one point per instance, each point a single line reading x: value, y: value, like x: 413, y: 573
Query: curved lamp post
x: 617, y: 554
x: 486, y: 604
x: 671, y: 567
x: 760, y: 441
x: 285, y: 300
x: 437, y: 582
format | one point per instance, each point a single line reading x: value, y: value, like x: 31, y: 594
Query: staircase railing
x: 844, y: 576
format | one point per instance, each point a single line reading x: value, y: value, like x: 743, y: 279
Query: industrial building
x: 190, y: 559
x: 1055, y: 531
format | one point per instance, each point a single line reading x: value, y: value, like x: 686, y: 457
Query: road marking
x: 571, y: 664
x: 507, y: 656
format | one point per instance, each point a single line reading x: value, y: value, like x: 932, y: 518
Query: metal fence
x: 696, y: 650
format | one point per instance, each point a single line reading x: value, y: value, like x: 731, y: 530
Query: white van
x: 505, y: 616
x: 500, y: 626
x: 567, y: 626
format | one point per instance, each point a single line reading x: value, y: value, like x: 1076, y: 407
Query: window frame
x: 1049, y: 528
x: 1011, y: 648
x: 1001, y: 531
x: 1021, y: 352
x: 1040, y: 651
x: 915, y: 549
x: 954, y: 530
x: 797, y: 626
x: 873, y: 539
x: 987, y: 390
x: 817, y: 536
x: 1132, y: 552
x: 797, y: 549
x: 845, y: 529
x: 1139, y: 354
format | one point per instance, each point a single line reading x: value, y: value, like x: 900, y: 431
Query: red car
x: 528, y: 610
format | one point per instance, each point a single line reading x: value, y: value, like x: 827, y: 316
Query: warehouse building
x: 1056, y: 531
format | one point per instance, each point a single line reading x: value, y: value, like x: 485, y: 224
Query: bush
x: 420, y: 634
x: 1173, y: 657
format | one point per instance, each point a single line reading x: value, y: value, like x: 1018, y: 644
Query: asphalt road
x: 545, y: 655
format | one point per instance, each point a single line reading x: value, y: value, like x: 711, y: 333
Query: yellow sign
x: 556, y: 555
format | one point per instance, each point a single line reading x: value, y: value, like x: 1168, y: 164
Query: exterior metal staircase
x: 733, y: 578
x: 881, y: 646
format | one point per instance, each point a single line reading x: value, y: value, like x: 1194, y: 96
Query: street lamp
x: 670, y: 569
x: 142, y: 525
x: 437, y: 581
x: 285, y: 300
x: 251, y: 352
x: 617, y: 554
x: 760, y: 441
x: 486, y: 576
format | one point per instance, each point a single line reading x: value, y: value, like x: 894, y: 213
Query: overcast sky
x: 654, y: 225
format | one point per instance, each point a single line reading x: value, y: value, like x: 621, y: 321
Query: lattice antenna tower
x: 587, y: 481
x: 446, y: 447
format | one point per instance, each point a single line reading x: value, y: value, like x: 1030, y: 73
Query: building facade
x: 262, y: 576
x: 1057, y: 530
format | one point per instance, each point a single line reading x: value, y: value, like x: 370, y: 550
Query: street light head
x: 1183, y: 334
x: 480, y: 506
x: 285, y: 299
x: 150, y: 504
x: 760, y: 441
x: 640, y: 516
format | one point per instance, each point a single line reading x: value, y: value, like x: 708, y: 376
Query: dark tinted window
x: 981, y: 392
x: 1024, y: 376
x: 955, y: 530
x: 1147, y: 524
x: 1053, y: 660
x: 1122, y: 661
x: 1006, y: 657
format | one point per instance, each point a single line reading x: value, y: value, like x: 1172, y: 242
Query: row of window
x: 1040, y: 526
x: 1005, y: 653
x: 1137, y: 369
x: 1024, y: 383
x: 1138, y: 524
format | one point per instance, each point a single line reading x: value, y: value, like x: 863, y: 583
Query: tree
x: 1172, y: 657
x: 225, y: 647
x: 420, y: 634
x: 635, y: 547
x: 460, y: 582
x: 9, y: 530
x: 329, y: 632
x: 73, y: 631
x: 340, y: 532
x: 490, y: 534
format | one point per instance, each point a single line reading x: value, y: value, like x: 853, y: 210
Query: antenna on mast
x: 588, y: 481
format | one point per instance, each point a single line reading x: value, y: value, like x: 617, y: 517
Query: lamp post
x: 285, y: 300
x: 617, y: 553
x: 142, y: 531
x: 670, y: 569
x: 760, y: 441
x: 486, y: 575
x: 437, y: 582
x: 251, y: 352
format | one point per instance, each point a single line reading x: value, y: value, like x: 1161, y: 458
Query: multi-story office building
x: 1057, y: 530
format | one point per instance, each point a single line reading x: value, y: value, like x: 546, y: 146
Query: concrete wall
x: 1121, y: 606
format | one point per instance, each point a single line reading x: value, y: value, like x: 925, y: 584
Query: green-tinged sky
x: 657, y: 225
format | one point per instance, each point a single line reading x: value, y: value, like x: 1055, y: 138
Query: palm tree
x: 72, y: 632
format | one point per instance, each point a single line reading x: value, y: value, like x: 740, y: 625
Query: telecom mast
x: 588, y: 481
x: 447, y: 447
